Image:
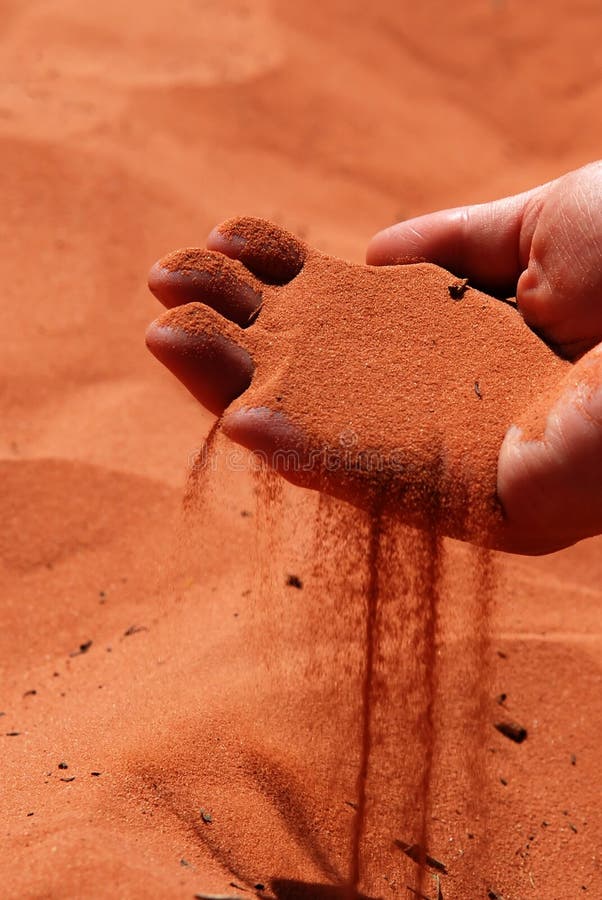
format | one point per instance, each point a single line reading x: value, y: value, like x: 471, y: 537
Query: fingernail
x: 226, y: 241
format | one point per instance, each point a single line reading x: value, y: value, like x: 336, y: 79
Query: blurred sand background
x: 128, y: 129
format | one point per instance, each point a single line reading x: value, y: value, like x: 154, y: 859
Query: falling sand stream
x: 382, y: 587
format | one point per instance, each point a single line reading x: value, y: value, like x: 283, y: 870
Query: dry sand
x: 127, y: 130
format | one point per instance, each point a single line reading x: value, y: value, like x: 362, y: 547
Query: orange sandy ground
x: 127, y: 129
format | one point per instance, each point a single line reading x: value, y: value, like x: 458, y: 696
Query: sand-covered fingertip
x: 274, y: 254
x: 274, y: 440
x: 206, y: 352
x: 193, y: 274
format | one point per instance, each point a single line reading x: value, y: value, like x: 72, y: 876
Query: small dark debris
x: 29, y: 814
x: 512, y: 731
x: 30, y: 693
x: 2, y: 714
x: 573, y: 759
x: 102, y: 597
x: 96, y: 774
x: 502, y: 655
x: 351, y: 803
x: 13, y: 733
x: 477, y: 390
x: 69, y: 778
x: 134, y: 629
x: 470, y: 836
x: 545, y: 824
x: 501, y: 698
x: 83, y: 648
x: 573, y: 828
x: 493, y: 895
x: 458, y: 289
x: 206, y: 816
x: 246, y: 514
x: 63, y: 765
x: 184, y: 862
x: 294, y: 581
x: 504, y: 782
x: 420, y: 856
x: 56, y: 674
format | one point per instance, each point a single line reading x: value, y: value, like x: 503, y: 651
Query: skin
x: 543, y: 246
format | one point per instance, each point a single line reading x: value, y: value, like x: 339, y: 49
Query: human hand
x: 364, y: 382
x: 545, y: 248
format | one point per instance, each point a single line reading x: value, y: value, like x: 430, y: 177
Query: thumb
x: 480, y: 242
x: 550, y: 465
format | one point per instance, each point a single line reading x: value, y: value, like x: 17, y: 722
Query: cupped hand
x: 361, y: 381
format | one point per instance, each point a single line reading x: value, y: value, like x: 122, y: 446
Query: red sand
x: 121, y: 141
x: 384, y: 373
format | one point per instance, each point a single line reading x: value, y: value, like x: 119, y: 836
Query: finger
x: 263, y: 430
x: 481, y: 242
x: 207, y: 277
x: 211, y: 356
x: 272, y: 253
x: 276, y: 441
x: 284, y: 447
x: 550, y: 464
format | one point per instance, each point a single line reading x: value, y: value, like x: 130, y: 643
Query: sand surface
x: 126, y: 130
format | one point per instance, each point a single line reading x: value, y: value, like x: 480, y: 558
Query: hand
x: 544, y: 247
